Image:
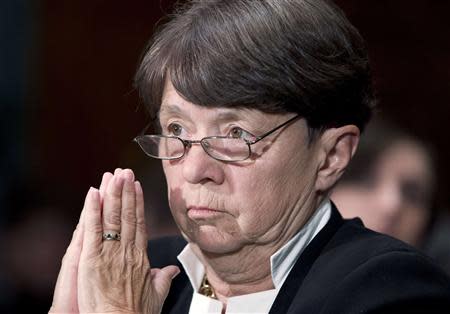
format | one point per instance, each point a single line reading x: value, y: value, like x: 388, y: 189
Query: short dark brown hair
x: 277, y: 56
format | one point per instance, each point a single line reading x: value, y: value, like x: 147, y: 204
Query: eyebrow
x: 229, y: 116
x: 170, y: 109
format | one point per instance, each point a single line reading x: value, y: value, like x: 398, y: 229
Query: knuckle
x: 94, y: 227
x: 112, y: 218
x: 129, y: 216
x: 140, y: 219
x: 141, y: 228
x: 129, y: 254
x: 129, y: 188
x: 134, y: 256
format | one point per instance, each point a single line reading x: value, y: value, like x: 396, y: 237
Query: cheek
x: 268, y: 194
x: 412, y: 225
x: 174, y: 186
x: 255, y: 205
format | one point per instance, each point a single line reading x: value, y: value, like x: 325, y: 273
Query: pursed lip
x: 198, y: 212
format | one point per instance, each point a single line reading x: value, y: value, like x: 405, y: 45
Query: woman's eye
x: 239, y: 133
x: 175, y: 129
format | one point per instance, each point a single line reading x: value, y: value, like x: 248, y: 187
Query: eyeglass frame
x: 188, y: 143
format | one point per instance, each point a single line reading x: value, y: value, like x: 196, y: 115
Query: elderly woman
x: 259, y: 107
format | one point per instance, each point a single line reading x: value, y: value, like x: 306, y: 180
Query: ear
x: 337, y: 147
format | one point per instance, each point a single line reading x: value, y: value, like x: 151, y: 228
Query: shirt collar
x: 282, y: 261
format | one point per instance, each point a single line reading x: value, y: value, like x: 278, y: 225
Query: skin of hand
x: 65, y: 298
x: 111, y: 276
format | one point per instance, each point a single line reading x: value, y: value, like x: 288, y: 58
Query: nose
x: 199, y: 167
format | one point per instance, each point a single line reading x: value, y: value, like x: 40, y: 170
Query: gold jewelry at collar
x: 206, y: 289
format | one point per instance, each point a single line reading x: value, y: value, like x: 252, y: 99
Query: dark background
x: 69, y: 113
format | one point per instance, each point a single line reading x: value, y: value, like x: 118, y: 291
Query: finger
x: 117, y: 171
x: 76, y: 243
x: 105, y: 180
x: 162, y: 279
x: 127, y: 172
x: 93, y: 230
x: 112, y: 202
x: 65, y: 294
x: 128, y: 212
x: 141, y: 228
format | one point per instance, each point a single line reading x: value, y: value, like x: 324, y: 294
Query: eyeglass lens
x: 222, y: 148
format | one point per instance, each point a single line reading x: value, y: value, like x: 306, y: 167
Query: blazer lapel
x: 301, y: 268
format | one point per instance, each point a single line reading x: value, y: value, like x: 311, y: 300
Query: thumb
x: 162, y: 279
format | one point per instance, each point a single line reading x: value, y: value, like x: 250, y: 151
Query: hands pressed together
x: 111, y: 276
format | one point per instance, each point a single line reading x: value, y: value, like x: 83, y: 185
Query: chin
x: 211, y: 240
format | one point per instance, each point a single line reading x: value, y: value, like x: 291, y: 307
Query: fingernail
x: 176, y: 274
x: 127, y: 174
x: 93, y: 192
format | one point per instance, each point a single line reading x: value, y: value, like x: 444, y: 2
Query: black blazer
x: 345, y: 269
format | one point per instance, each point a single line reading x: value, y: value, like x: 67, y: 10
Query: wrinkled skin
x: 235, y: 215
x: 111, y: 276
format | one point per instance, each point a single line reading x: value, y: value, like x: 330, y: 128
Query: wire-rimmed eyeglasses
x: 223, y: 148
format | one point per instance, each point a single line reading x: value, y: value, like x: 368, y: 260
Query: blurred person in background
x: 390, y: 185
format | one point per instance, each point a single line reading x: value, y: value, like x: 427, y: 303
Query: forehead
x: 173, y: 104
x: 408, y: 156
x: 198, y: 114
x: 406, y: 160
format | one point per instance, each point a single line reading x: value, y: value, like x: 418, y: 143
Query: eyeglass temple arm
x: 258, y: 138
x: 143, y: 131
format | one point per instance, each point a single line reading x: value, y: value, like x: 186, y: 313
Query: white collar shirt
x: 281, y: 263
